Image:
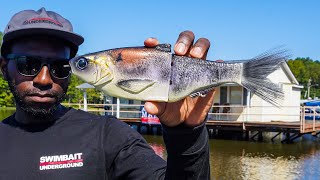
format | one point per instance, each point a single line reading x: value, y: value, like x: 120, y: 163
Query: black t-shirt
x: 80, y: 145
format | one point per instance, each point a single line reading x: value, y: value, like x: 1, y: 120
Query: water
x: 258, y: 160
x: 231, y: 159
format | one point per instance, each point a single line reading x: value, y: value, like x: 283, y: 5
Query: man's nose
x: 43, y: 78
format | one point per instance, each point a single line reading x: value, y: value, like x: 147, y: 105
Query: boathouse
x: 234, y: 103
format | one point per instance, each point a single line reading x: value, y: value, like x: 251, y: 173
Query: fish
x: 157, y: 74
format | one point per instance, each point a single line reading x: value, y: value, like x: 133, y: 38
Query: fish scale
x: 190, y: 75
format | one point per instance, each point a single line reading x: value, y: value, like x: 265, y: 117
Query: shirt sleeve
x: 188, y: 152
x: 129, y: 156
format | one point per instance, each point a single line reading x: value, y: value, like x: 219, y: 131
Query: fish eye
x: 82, y: 63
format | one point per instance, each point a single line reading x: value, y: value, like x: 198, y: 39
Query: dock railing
x: 310, y: 118
x: 254, y: 113
x: 125, y: 110
x: 307, y: 118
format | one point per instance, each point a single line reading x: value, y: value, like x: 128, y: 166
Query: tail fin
x: 256, y: 70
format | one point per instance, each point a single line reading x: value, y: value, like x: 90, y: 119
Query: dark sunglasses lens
x: 60, y: 69
x: 28, y: 65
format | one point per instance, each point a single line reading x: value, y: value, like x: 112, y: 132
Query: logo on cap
x: 42, y: 20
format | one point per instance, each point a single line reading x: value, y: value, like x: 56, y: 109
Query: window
x: 223, y: 94
x: 235, y: 95
x: 244, y: 96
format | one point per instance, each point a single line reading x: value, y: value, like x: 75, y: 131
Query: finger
x: 200, y: 48
x: 151, y: 42
x: 155, y: 108
x: 184, y: 43
x: 201, y: 109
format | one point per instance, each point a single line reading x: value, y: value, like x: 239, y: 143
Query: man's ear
x: 4, y: 67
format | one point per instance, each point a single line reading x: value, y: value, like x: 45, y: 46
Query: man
x: 45, y: 140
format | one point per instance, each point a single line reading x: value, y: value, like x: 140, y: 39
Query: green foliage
x: 75, y: 95
x: 1, y: 37
x: 95, y: 96
x: 6, y: 97
x: 305, y: 69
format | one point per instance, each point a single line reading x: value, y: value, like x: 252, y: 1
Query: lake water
x: 230, y: 159
x: 258, y: 160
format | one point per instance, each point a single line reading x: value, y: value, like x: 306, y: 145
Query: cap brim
x: 68, y: 36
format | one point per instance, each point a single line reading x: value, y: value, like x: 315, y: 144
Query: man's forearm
x: 188, y: 152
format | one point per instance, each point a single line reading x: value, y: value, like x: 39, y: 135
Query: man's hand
x: 190, y: 111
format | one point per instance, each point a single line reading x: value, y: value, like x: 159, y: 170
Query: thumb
x: 155, y: 108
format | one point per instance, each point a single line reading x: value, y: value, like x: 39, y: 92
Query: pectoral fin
x: 135, y: 86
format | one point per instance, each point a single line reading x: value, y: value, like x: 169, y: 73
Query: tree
x: 74, y: 95
x: 95, y: 96
x: 305, y: 69
x: 6, y: 97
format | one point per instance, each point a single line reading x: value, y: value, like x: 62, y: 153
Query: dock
x: 250, y: 130
x: 242, y: 122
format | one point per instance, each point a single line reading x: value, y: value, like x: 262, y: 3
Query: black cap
x: 49, y: 23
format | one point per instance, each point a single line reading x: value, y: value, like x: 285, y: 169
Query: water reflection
x: 157, y: 144
x: 255, y: 160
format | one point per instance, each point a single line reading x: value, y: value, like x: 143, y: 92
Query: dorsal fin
x: 164, y: 47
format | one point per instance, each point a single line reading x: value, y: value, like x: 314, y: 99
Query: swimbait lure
x: 155, y: 74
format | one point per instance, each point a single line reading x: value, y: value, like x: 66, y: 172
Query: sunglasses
x: 32, y: 65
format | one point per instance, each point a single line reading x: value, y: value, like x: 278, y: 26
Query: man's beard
x: 37, y: 110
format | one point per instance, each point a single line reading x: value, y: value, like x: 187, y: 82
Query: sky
x: 236, y: 29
